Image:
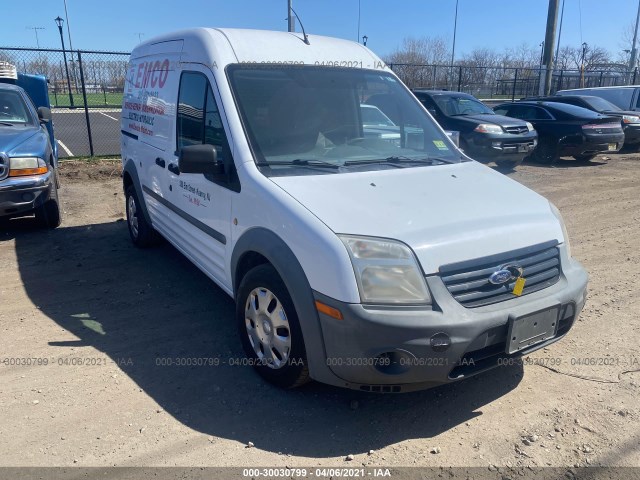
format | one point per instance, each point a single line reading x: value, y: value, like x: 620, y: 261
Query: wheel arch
x: 130, y: 177
x: 258, y: 246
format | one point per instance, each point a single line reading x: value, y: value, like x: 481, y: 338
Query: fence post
x: 635, y: 72
x: 459, y: 77
x: 560, y: 80
x: 601, y: 73
x: 513, y: 91
x: 86, y: 107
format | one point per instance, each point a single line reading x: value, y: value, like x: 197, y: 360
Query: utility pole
x: 559, y: 33
x: 634, y: 52
x: 549, y: 42
x: 290, y: 18
x: 453, y: 49
x: 35, y: 29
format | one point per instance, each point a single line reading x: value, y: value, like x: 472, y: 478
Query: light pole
x: 584, y: 53
x: 632, y: 58
x: 364, y: 40
x: 59, y: 22
x: 453, y: 49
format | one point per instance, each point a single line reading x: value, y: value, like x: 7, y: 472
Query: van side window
x: 190, y: 121
x: 199, y: 122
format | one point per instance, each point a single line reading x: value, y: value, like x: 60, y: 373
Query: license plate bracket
x: 531, y: 329
x: 523, y: 148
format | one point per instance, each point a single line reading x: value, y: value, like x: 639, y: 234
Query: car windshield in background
x: 13, y: 109
x: 600, y: 104
x: 310, y: 120
x: 621, y: 97
x: 453, y: 105
x: 372, y: 116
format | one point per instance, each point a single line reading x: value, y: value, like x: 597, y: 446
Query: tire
x: 546, y: 152
x: 269, y: 328
x: 507, y: 165
x: 141, y: 232
x: 48, y: 215
x: 584, y: 158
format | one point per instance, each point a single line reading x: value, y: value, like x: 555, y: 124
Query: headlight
x: 630, y: 119
x: 488, y: 128
x: 386, y: 271
x: 558, y: 215
x: 529, y: 126
x: 21, y: 166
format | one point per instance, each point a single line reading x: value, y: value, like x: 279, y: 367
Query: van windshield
x: 336, y: 120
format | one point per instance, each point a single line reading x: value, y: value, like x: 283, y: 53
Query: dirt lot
x: 101, y: 313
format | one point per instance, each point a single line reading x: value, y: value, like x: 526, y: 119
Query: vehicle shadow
x: 568, y: 162
x: 140, y: 307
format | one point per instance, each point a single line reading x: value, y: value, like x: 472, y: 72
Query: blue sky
x: 113, y: 25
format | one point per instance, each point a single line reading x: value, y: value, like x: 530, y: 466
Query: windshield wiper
x: 298, y: 162
x: 7, y: 124
x: 396, y: 160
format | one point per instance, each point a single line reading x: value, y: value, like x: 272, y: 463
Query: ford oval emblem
x: 506, y: 273
x: 500, y: 277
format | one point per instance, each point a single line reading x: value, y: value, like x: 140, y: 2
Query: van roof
x: 230, y: 45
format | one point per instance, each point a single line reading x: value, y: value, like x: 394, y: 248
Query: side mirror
x: 200, y: 159
x: 44, y: 114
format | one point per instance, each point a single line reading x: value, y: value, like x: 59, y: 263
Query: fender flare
x: 266, y: 243
x: 130, y: 168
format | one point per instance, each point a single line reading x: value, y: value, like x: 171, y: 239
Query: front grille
x: 4, y: 166
x: 517, y: 130
x: 469, y: 284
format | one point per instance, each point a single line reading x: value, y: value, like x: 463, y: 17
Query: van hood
x: 445, y: 213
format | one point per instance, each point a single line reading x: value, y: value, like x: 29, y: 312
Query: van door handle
x: 173, y: 168
x: 160, y: 162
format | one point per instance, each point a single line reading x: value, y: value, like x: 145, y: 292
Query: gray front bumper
x: 22, y: 195
x: 477, y: 336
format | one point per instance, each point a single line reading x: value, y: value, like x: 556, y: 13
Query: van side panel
x: 148, y: 107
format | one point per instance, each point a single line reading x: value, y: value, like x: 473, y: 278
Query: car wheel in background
x: 269, y: 328
x: 508, y: 165
x: 546, y: 152
x: 48, y: 215
x: 141, y: 232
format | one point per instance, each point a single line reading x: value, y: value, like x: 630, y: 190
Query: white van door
x: 201, y: 204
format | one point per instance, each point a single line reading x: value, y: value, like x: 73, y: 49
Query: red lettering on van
x: 164, y: 73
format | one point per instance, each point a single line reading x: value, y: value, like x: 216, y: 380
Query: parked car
x: 28, y: 156
x: 567, y: 130
x: 483, y: 134
x: 625, y: 97
x: 352, y: 260
x: 630, y: 119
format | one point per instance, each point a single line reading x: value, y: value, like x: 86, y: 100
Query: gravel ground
x: 101, y: 313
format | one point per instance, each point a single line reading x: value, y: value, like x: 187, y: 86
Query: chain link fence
x: 85, y: 88
x: 85, y: 91
x: 508, y: 83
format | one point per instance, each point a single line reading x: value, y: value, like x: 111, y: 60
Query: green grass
x: 93, y: 99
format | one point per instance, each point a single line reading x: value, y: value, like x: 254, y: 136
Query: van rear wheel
x: 269, y: 328
x: 141, y: 232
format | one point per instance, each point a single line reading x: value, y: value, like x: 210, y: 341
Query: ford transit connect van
x: 379, y: 259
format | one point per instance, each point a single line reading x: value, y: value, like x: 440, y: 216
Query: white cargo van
x: 369, y: 255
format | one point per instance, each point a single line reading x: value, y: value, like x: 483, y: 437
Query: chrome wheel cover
x: 267, y: 328
x: 132, y: 215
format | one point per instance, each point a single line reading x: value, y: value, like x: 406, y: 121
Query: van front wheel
x: 269, y: 328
